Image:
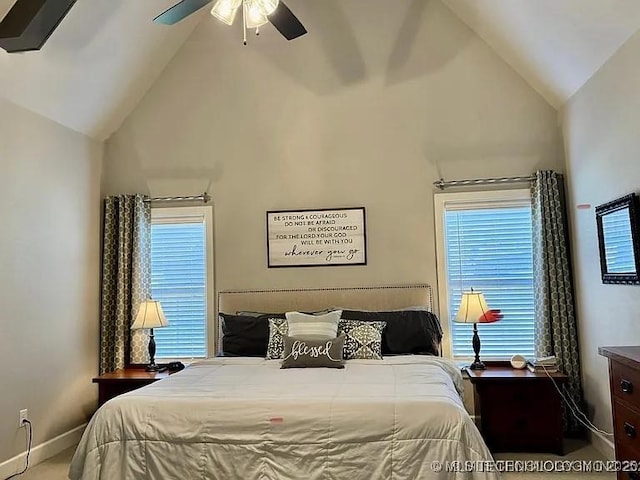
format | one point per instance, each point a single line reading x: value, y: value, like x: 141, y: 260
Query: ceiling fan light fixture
x: 254, y: 17
x: 268, y: 6
x: 226, y: 10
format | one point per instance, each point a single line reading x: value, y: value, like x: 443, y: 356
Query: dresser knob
x: 629, y: 430
x: 626, y: 386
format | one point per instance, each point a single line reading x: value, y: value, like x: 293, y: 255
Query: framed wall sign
x: 308, y: 238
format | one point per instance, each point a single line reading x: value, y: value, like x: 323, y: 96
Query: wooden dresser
x: 624, y: 380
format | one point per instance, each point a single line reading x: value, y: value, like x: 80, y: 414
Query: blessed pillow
x: 407, y: 331
x: 300, y: 352
x: 278, y: 329
x: 244, y: 335
x: 309, y: 326
x: 363, y: 340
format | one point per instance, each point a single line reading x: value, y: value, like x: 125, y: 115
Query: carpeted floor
x: 56, y: 468
x: 578, y: 454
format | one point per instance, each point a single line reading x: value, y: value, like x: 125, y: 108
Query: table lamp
x: 474, y: 309
x: 150, y: 315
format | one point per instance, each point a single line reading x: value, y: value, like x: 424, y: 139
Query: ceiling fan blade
x: 286, y: 22
x: 180, y: 11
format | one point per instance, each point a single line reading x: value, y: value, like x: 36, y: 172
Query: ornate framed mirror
x: 618, y: 240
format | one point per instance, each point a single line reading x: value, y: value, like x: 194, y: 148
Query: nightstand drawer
x: 511, y: 397
x: 523, y: 423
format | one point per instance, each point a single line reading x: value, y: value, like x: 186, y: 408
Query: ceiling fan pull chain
x: 257, y: 31
x: 244, y: 22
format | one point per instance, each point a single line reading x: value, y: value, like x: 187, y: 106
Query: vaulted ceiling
x: 106, y: 54
x: 96, y: 66
x: 556, y: 45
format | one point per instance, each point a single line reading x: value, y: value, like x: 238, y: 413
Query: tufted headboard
x: 380, y: 298
x: 388, y: 297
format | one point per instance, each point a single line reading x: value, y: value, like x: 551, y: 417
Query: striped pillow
x: 313, y: 326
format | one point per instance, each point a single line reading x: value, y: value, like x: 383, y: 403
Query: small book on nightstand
x: 543, y: 365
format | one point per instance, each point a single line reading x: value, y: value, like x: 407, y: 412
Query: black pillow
x: 260, y: 314
x: 407, y: 331
x: 244, y: 335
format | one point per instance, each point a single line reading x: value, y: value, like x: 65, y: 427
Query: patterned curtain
x: 556, y: 332
x: 126, y: 280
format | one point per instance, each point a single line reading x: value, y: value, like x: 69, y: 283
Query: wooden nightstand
x: 125, y: 380
x: 520, y: 411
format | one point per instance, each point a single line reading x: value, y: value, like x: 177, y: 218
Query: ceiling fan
x: 255, y: 13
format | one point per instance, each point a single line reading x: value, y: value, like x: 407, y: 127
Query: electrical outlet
x: 22, y: 416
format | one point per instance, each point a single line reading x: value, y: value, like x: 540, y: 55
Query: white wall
x: 377, y: 102
x: 602, y: 144
x: 49, y: 276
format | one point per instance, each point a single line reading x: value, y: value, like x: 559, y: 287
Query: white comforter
x: 246, y: 419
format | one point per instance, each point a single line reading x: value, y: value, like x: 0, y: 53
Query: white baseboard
x: 42, y: 452
x: 603, y: 445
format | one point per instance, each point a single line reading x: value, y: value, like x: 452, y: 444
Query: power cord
x: 575, y: 410
x: 30, y: 438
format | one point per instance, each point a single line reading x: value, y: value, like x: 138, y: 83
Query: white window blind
x: 619, y: 243
x: 179, y: 282
x: 488, y: 247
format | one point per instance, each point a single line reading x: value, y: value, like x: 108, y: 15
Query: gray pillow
x: 300, y: 352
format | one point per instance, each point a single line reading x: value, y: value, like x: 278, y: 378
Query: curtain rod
x: 204, y: 198
x: 442, y: 184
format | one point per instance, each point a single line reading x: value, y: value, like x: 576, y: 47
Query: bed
x: 246, y: 418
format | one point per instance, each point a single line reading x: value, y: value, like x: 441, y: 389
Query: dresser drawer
x: 629, y: 460
x: 625, y: 383
x: 624, y: 375
x: 627, y: 428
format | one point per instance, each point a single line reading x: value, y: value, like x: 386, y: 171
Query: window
x: 181, y: 279
x: 484, y: 242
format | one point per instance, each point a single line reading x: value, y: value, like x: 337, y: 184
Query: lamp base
x: 152, y: 367
x: 478, y: 365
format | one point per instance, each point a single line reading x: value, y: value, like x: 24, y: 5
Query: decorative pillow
x: 309, y: 326
x: 251, y: 313
x: 243, y: 335
x: 407, y: 331
x: 260, y: 314
x: 363, y: 340
x: 300, y: 352
x: 278, y: 329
